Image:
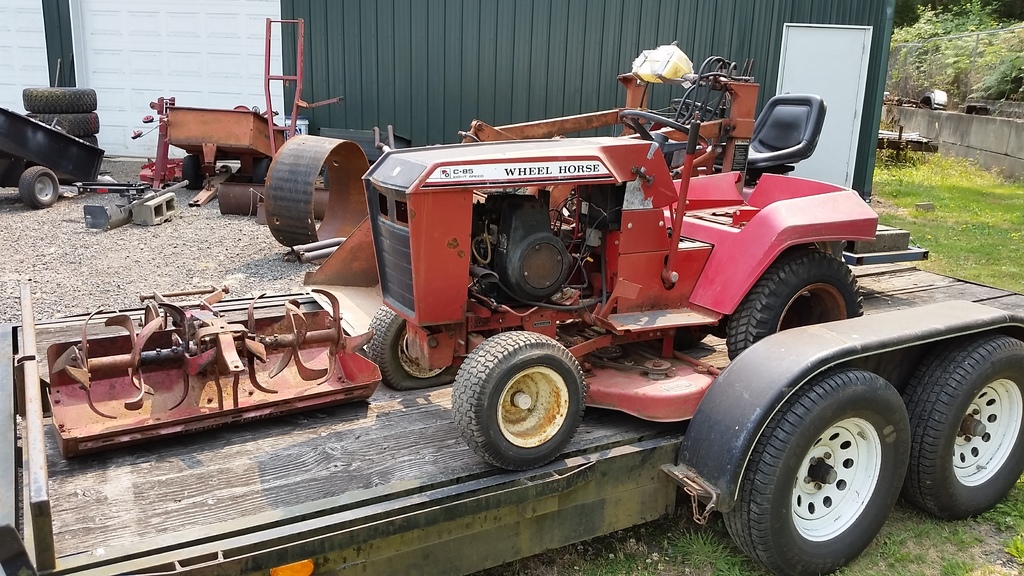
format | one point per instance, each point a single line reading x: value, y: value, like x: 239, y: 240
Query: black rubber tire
x: 388, y: 335
x: 481, y: 381
x: 769, y: 306
x: 59, y: 100
x: 687, y: 338
x: 938, y: 397
x: 192, y: 170
x: 83, y: 124
x: 762, y: 520
x: 27, y: 187
x: 260, y: 168
x: 91, y: 139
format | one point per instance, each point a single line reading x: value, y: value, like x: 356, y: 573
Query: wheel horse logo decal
x: 518, y: 172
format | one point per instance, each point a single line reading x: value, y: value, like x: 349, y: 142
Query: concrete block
x: 988, y: 133
x: 155, y: 211
x: 887, y: 239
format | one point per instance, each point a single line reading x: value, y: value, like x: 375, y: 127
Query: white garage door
x: 205, y: 53
x: 22, y: 50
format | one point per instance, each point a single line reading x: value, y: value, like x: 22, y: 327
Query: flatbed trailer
x: 385, y: 487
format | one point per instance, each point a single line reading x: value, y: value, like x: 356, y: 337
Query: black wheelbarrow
x: 37, y: 158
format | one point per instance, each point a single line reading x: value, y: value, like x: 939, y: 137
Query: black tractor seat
x: 785, y: 133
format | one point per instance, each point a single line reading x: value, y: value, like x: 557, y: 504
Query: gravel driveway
x: 73, y: 270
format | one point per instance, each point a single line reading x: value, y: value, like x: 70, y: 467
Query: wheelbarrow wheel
x: 192, y: 170
x: 39, y: 187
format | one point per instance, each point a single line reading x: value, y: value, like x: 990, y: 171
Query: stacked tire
x: 72, y: 110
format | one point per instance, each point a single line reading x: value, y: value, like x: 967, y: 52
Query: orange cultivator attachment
x: 186, y: 368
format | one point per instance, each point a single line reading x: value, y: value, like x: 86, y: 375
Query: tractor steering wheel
x: 631, y: 119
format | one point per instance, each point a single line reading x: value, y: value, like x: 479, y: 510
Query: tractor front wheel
x: 966, y: 405
x: 799, y: 289
x: 399, y: 370
x: 824, y: 475
x: 518, y: 399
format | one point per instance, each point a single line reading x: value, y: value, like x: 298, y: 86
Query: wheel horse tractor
x: 593, y: 263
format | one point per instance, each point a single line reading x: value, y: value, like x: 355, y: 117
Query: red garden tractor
x: 541, y: 276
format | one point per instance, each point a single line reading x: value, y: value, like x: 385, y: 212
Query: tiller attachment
x: 185, y: 368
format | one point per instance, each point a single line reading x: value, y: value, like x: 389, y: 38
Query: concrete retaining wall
x: 996, y: 143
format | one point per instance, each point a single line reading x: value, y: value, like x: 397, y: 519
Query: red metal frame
x: 300, y: 36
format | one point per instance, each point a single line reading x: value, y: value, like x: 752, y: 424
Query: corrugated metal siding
x: 429, y: 67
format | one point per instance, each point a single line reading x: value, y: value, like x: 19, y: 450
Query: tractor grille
x: 391, y: 239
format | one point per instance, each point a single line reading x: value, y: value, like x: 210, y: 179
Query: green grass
x: 975, y: 233
x: 977, y: 229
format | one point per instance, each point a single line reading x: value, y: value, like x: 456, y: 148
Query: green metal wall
x: 429, y: 67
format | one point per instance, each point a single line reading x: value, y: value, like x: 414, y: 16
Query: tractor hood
x: 522, y: 163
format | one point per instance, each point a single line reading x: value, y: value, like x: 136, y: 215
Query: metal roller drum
x: 288, y: 200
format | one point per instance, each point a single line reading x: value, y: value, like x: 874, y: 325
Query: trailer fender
x: 737, y: 407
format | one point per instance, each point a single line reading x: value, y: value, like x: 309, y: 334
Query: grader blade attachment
x: 175, y: 369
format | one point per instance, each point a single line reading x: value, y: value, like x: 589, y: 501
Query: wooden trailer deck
x: 352, y: 462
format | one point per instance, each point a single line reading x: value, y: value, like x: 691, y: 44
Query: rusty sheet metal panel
x: 239, y: 132
x: 518, y: 60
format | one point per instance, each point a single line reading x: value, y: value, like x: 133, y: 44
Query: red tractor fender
x: 793, y: 212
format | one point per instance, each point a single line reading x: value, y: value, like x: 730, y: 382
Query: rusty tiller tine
x: 298, y: 324
x: 80, y: 373
x: 147, y: 331
x: 312, y: 375
x: 152, y: 311
x: 255, y: 350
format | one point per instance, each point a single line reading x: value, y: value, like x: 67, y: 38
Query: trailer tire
x: 956, y: 473
x: 518, y: 399
x: 38, y: 187
x: 789, y: 525
x: 398, y: 371
x: 78, y: 125
x: 192, y: 170
x: 800, y: 288
x: 90, y: 140
x: 59, y: 100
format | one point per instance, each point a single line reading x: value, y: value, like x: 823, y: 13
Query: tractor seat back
x: 785, y: 133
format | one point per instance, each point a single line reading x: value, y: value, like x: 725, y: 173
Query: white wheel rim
x: 409, y: 363
x: 548, y: 407
x: 43, y: 189
x: 852, y: 450
x: 977, y: 457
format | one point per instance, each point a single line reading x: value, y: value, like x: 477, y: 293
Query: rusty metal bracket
x: 703, y: 496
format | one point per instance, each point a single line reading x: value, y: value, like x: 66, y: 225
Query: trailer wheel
x: 518, y: 399
x: 824, y: 474
x: 966, y: 409
x: 38, y: 187
x: 192, y: 170
x: 799, y: 289
x: 398, y: 369
x: 59, y: 100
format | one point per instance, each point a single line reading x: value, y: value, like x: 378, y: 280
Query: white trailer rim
x: 1000, y: 407
x: 533, y: 407
x: 851, y: 453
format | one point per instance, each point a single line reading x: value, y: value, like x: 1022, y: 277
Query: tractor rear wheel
x: 966, y: 405
x: 398, y: 369
x: 518, y: 399
x: 799, y: 289
x: 824, y: 475
x: 38, y: 187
